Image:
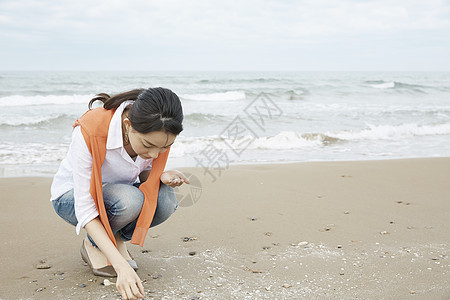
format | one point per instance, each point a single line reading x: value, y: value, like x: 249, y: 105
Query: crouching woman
x: 112, y: 182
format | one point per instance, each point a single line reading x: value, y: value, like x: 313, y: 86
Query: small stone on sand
x: 192, y: 253
x: 43, y: 266
x: 106, y: 282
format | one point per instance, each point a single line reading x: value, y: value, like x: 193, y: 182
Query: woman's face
x: 149, y: 145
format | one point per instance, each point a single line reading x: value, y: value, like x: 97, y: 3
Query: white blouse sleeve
x: 85, y: 209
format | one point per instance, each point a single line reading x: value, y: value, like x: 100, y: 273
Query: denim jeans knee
x: 64, y: 207
x: 166, y: 206
x: 123, y: 204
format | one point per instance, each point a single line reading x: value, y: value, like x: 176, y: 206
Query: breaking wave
x: 295, y: 140
x: 380, y: 84
x: 18, y: 100
x: 225, y: 96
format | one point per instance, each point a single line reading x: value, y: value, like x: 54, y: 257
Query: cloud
x: 239, y: 20
x: 199, y: 26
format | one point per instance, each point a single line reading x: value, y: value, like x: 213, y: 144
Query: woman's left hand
x: 173, y: 178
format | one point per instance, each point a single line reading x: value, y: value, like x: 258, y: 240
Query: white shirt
x: 75, y: 170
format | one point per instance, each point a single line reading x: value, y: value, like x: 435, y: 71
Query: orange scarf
x: 94, y: 127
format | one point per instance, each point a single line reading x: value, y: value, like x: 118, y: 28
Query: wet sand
x: 321, y: 230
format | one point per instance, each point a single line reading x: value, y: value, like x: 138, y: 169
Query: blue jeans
x: 123, y: 205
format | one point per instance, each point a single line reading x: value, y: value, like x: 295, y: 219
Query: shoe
x: 122, y: 247
x: 106, y: 271
x: 132, y: 262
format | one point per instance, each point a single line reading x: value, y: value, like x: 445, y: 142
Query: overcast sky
x: 320, y: 35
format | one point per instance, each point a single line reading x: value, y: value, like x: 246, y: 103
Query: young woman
x: 112, y: 182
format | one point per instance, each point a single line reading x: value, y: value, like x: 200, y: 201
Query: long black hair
x: 154, y: 109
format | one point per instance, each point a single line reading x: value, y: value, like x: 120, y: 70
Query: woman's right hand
x: 128, y: 283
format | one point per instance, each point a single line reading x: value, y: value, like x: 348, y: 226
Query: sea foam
x: 18, y: 100
x: 390, y: 132
x: 15, y: 121
x: 225, y: 96
x: 295, y: 140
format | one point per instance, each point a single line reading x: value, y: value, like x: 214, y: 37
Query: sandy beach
x: 319, y: 230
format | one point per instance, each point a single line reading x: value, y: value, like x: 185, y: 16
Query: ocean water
x: 238, y: 117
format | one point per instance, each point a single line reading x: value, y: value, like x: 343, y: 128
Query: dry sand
x: 322, y: 230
